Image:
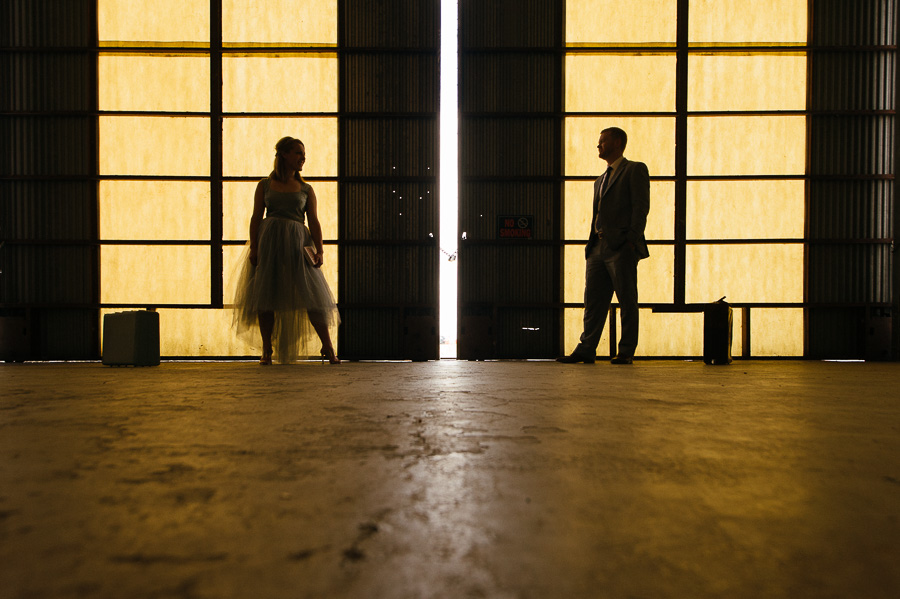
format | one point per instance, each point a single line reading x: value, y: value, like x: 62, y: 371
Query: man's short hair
x: 617, y: 134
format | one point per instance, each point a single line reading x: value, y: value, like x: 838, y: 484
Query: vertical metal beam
x: 613, y: 328
x: 681, y: 105
x: 559, y: 273
x: 895, y: 246
x: 810, y: 73
x: 746, y: 339
x: 95, y: 170
x: 215, y: 153
x: 341, y: 169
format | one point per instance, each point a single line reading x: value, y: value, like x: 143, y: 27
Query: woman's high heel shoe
x: 329, y: 353
x: 266, y: 359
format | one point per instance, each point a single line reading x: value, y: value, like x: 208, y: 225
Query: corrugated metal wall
x: 388, y: 173
x: 852, y: 197
x: 510, y: 96
x: 48, y: 213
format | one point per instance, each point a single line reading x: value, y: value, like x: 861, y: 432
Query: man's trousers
x: 608, y: 271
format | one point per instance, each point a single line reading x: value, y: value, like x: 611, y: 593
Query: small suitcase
x: 420, y: 339
x: 476, y: 337
x: 717, y: 332
x: 131, y: 338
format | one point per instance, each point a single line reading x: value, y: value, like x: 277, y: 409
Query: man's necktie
x: 606, y: 177
x: 603, y: 185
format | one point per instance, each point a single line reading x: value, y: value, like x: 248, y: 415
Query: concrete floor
x: 450, y: 479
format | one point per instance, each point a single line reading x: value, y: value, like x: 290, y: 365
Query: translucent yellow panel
x: 154, y: 145
x: 661, y: 334
x: 650, y: 140
x: 667, y: 334
x: 574, y: 325
x: 614, y: 21
x: 655, y: 275
x: 745, y: 209
x: 756, y: 82
x: 746, y: 145
x: 738, y: 21
x: 161, y: 274
x: 231, y: 270
x: 202, y: 332
x: 237, y: 208
x: 154, y: 210
x: 205, y: 333
x: 579, y: 197
x: 280, y: 84
x: 574, y: 274
x: 327, y: 195
x: 153, y: 20
x: 145, y: 83
x: 330, y: 269
x: 280, y: 21
x: 660, y: 220
x: 744, y: 273
x: 249, y: 144
x: 776, y: 332
x: 737, y: 347
x: 598, y: 83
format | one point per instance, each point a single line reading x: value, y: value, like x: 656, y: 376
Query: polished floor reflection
x: 450, y: 479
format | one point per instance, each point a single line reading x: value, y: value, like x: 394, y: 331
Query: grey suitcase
x: 131, y: 338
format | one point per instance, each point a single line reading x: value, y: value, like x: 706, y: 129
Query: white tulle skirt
x: 283, y: 282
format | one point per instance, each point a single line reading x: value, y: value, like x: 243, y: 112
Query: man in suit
x: 615, y: 245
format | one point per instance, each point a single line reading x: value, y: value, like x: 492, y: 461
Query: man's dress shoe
x: 574, y: 358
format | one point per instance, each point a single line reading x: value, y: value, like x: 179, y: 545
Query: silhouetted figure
x: 615, y: 245
x: 281, y: 288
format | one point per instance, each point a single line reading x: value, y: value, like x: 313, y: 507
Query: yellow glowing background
x: 739, y: 21
x: 310, y: 22
x: 154, y: 59
x: 740, y: 78
x: 650, y: 140
x: 618, y: 22
x: 600, y: 87
x: 279, y: 83
x: 152, y: 21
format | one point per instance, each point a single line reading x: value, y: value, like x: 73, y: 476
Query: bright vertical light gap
x: 449, y: 187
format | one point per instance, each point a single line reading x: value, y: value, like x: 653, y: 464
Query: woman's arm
x: 315, y: 228
x: 259, y: 208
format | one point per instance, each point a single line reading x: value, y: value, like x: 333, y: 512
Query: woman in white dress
x: 281, y: 290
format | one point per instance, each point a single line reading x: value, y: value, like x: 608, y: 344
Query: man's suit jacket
x: 623, y: 208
